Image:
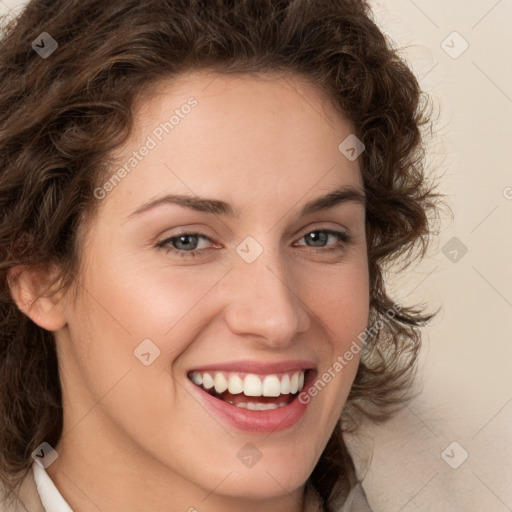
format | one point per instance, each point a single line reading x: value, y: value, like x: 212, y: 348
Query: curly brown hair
x: 61, y: 117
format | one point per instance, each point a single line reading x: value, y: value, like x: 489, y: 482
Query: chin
x: 261, y: 485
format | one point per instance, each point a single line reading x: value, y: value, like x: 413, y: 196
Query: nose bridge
x: 263, y: 301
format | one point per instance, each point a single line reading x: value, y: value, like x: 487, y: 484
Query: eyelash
x: 345, y: 238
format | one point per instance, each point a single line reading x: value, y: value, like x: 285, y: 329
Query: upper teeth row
x: 251, y: 384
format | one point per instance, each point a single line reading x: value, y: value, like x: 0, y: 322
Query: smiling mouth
x: 251, y: 391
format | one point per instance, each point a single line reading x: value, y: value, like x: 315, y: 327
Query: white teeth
x: 294, y: 383
x: 236, y: 386
x: 259, y: 407
x: 252, y: 385
x: 207, y: 381
x: 197, y: 378
x: 285, y: 385
x: 221, y: 384
x: 271, y: 386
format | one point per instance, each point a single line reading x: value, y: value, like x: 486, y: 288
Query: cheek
x: 341, y: 299
x: 341, y: 305
x: 113, y: 317
x: 125, y: 303
x: 145, y: 301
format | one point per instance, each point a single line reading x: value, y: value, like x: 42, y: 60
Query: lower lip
x: 272, y: 420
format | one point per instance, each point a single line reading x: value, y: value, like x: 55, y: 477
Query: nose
x: 263, y: 303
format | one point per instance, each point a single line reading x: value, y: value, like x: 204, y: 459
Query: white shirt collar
x: 51, y: 498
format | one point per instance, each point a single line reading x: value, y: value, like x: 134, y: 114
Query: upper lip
x: 257, y: 367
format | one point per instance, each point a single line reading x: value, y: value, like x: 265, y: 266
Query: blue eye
x: 186, y: 244
x: 321, y: 236
x: 187, y: 240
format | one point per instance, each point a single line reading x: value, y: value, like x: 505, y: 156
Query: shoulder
x: 357, y: 500
x: 24, y: 499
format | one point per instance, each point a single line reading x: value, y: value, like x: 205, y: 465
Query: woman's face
x: 248, y: 281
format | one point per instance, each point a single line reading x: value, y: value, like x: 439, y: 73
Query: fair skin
x: 138, y: 437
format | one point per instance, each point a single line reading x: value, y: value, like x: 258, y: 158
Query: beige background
x: 466, y: 365
x: 467, y: 356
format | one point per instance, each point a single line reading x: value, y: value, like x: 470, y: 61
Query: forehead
x: 260, y: 104
x: 271, y: 137
x: 236, y: 88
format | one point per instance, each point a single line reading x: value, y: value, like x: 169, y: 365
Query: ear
x: 30, y: 290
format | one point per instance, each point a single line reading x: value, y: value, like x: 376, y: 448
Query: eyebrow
x: 218, y: 207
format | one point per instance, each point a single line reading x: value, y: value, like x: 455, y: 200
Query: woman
x: 198, y: 200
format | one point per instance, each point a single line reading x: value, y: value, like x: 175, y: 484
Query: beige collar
x: 27, y: 499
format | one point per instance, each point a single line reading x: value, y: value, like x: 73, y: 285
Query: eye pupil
x: 318, y: 236
x: 183, y: 240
